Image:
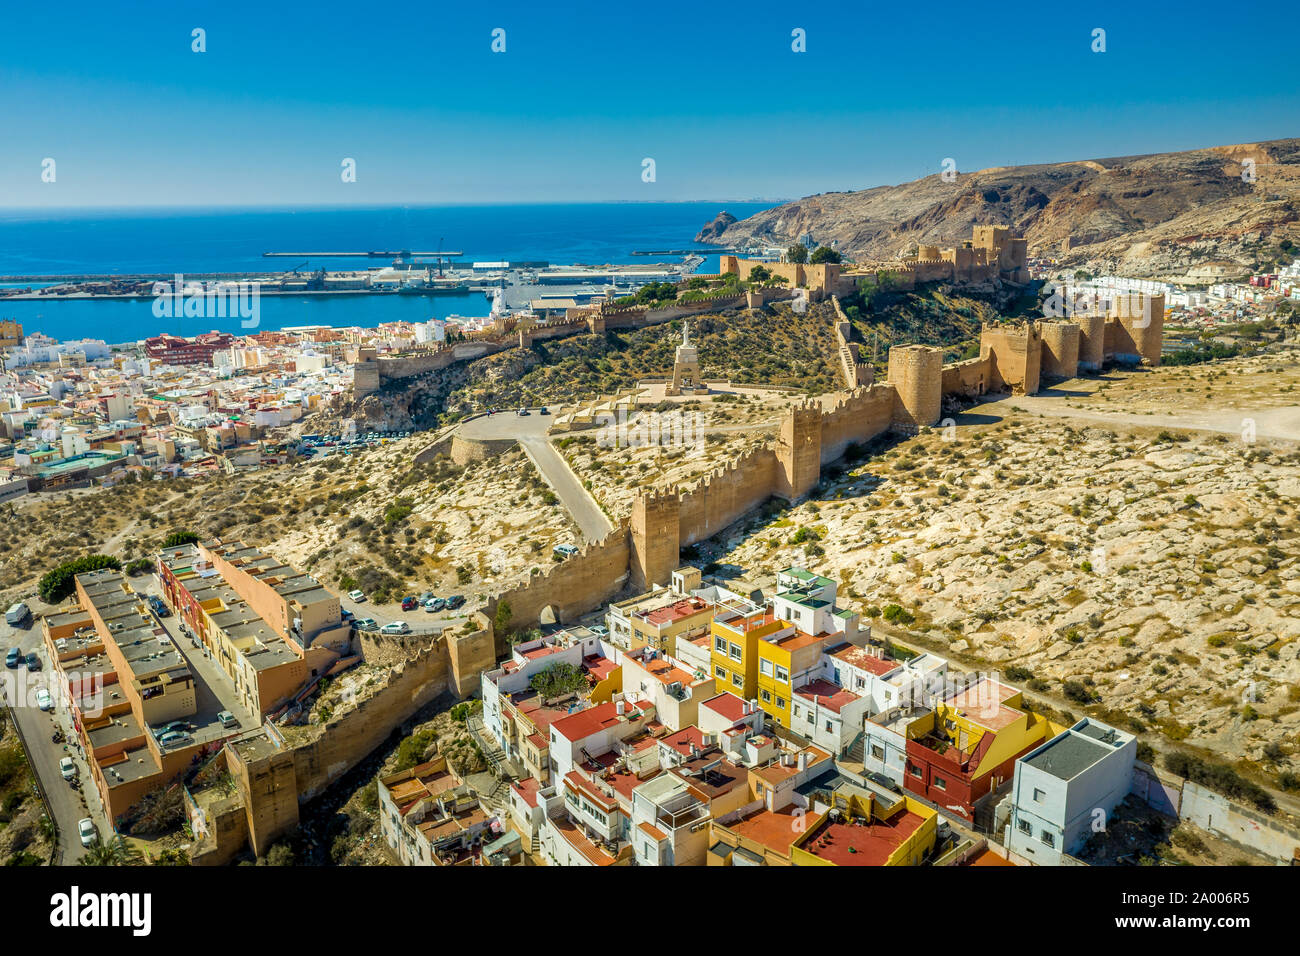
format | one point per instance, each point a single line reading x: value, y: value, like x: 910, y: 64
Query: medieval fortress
x: 645, y: 550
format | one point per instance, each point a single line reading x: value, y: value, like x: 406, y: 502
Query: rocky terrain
x: 672, y: 442
x: 1148, y: 574
x: 376, y: 518
x: 1156, y: 215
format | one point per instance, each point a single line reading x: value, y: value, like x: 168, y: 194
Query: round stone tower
x: 916, y: 372
x: 1092, y: 341
x: 1060, y: 354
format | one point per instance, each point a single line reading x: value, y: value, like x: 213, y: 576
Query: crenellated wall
x: 855, y: 417
x: 724, y: 495
x: 574, y: 586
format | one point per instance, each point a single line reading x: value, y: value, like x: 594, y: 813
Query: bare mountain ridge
x: 1155, y: 214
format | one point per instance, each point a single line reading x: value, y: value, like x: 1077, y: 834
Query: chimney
x: 620, y: 708
x: 803, y: 760
x: 753, y: 706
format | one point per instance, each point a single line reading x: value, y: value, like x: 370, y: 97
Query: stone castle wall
x: 856, y: 417
x: 576, y: 585
x: 966, y: 379
x: 725, y: 495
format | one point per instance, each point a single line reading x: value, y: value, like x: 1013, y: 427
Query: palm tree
x: 115, y: 852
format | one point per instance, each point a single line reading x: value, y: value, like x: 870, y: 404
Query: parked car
x: 409, y: 603
x: 454, y: 602
x: 227, y: 719
x: 86, y: 829
x: 175, y: 738
x: 14, y: 657
x: 366, y: 624
x: 564, y: 550
x: 396, y: 627
x: 43, y: 700
x: 33, y: 662
x: 523, y: 411
x: 175, y: 726
x: 543, y: 411
x: 434, y: 605
x: 68, y: 768
x: 426, y: 597
x: 357, y: 596
x: 600, y: 630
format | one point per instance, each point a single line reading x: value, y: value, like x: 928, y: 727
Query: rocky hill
x: 1161, y: 214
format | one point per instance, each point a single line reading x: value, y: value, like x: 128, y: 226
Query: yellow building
x: 736, y: 630
x: 785, y: 663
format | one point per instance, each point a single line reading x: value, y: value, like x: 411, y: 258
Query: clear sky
x: 585, y: 91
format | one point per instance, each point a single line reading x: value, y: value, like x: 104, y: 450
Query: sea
x: 170, y: 241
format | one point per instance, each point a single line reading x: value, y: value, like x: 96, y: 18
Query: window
x: 767, y: 697
x: 812, y: 719
x: 782, y: 674
x: 1038, y: 795
x: 720, y: 672
x: 1023, y: 826
x: 720, y: 645
x: 861, y: 683
x: 877, y: 753
x: 1048, y: 839
x: 940, y: 783
x: 735, y: 679
x: 830, y: 727
x: 780, y: 702
x: 765, y: 667
x: 914, y: 770
x: 735, y: 652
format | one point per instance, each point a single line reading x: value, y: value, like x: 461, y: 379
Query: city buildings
x: 275, y: 631
x: 1064, y: 791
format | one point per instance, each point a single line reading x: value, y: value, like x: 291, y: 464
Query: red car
x: 408, y: 603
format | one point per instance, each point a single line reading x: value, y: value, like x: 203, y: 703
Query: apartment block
x: 274, y: 630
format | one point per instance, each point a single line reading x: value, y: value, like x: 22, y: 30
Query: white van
x: 17, y: 614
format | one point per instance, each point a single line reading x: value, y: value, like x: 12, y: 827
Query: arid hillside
x: 1160, y: 214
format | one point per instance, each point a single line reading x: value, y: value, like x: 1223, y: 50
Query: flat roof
x: 861, y: 843
x: 1067, y: 755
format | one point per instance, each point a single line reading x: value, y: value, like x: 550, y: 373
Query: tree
x: 759, y: 274
x: 57, y: 584
x: 502, y: 619
x: 115, y: 852
x: 798, y: 253
x: 824, y: 254
x: 178, y: 538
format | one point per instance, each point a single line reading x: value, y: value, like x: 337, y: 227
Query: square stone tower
x: 656, y: 539
x: 799, y: 451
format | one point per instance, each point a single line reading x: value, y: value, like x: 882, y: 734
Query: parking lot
x: 322, y: 445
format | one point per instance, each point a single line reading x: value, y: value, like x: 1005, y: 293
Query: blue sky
x: 712, y: 92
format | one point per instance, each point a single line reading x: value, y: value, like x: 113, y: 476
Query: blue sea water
x: 75, y: 242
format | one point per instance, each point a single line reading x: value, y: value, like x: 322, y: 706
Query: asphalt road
x: 582, y: 507
x: 530, y: 431
x: 68, y: 805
